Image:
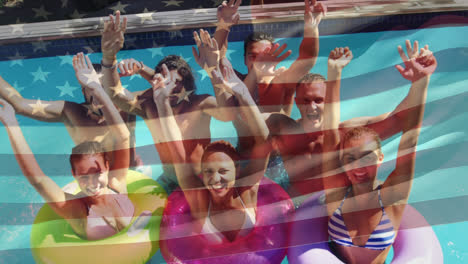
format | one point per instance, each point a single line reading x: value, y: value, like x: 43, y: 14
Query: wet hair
x: 256, y: 37
x: 309, y: 78
x: 87, y: 148
x: 97, y: 67
x: 358, y: 132
x: 224, y: 147
x: 174, y: 62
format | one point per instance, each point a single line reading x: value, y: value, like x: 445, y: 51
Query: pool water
x: 371, y: 85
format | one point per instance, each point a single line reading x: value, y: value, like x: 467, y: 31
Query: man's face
x: 310, y: 99
x: 253, y: 50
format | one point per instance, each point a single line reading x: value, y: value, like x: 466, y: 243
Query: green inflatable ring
x: 54, y: 241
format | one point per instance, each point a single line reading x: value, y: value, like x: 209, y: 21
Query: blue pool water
x: 371, y: 85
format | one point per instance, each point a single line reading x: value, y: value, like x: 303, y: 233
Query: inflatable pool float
x: 416, y: 242
x: 54, y: 241
x: 265, y: 243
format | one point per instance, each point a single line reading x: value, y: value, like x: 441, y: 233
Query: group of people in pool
x: 220, y: 182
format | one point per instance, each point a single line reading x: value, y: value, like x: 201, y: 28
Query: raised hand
x: 339, y: 58
x: 163, y: 84
x: 418, y: 64
x: 313, y: 13
x: 266, y: 62
x: 129, y: 67
x: 7, y: 113
x: 208, y: 58
x: 227, y: 12
x: 113, y: 36
x: 85, y: 73
x: 228, y: 79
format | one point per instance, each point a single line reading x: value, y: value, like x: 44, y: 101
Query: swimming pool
x: 369, y: 82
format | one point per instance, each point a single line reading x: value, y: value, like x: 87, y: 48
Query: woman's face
x: 91, y: 173
x: 219, y: 173
x: 361, y: 159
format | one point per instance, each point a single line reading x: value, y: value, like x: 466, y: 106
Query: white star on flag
x: 17, y: 59
x: 174, y: 34
x: 41, y: 12
x: 136, y: 103
x: 146, y: 15
x: 130, y: 42
x: 203, y: 74
x: 222, y: 25
x: 17, y: 27
x: 12, y: 92
x: 41, y: 45
x: 64, y: 3
x: 119, y: 7
x: 172, y: 3
x: 208, y: 70
x: 156, y: 50
x: 119, y: 89
x: 18, y: 88
x: 40, y: 75
x: 229, y: 52
x: 77, y: 15
x: 183, y: 95
x: 38, y: 107
x: 67, y: 59
x: 66, y: 89
x: 92, y: 77
x: 88, y: 49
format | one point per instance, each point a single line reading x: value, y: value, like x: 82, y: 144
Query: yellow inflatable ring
x: 54, y: 241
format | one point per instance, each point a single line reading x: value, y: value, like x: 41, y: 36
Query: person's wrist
x: 10, y: 121
x: 108, y: 63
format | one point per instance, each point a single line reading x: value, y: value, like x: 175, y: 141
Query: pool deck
x: 198, y: 18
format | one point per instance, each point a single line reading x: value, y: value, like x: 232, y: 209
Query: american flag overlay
x: 233, y: 132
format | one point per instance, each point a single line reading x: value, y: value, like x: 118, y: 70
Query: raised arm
x: 73, y: 211
x: 224, y: 108
x: 254, y: 171
x: 227, y: 17
x: 338, y: 59
x: 308, y: 52
x: 163, y: 84
x: 88, y: 77
x: 48, y: 111
x: 418, y: 70
x: 111, y: 43
x: 389, y: 124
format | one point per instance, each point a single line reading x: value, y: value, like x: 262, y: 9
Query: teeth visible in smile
x: 218, y: 186
x: 359, y: 174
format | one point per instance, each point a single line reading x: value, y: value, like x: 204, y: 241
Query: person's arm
x: 190, y: 184
x: 88, y: 77
x: 397, y: 186
x: 337, y: 60
x: 254, y: 171
x: 224, y: 108
x: 72, y: 210
x: 111, y: 42
x: 227, y: 17
x: 389, y: 124
x: 129, y: 67
x: 308, y: 53
x: 48, y: 111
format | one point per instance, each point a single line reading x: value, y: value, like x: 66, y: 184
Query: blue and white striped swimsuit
x: 382, y: 237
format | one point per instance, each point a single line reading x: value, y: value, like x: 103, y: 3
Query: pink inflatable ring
x: 265, y: 243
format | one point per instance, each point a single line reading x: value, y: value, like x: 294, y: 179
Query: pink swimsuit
x: 97, y: 227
